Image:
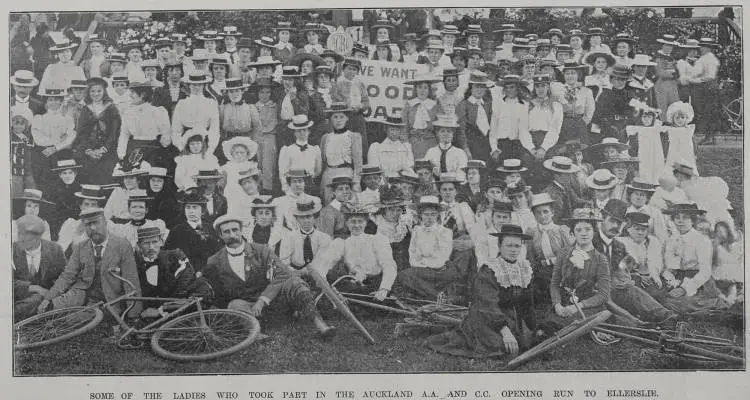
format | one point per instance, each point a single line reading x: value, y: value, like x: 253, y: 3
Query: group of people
x: 558, y: 177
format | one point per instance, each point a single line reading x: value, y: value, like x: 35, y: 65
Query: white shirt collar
x: 194, y: 225
x: 604, y: 238
x: 36, y: 251
x: 103, y: 244
x: 336, y: 204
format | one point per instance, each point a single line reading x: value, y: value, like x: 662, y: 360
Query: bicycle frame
x: 152, y: 327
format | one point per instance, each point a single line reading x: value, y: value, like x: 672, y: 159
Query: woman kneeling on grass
x: 501, y: 318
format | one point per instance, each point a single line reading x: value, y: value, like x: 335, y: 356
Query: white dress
x: 650, y: 151
x: 189, y: 165
x: 680, y: 145
x: 232, y: 189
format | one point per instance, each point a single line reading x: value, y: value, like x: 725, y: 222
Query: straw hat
x: 341, y: 180
x: 64, y: 44
x: 473, y: 29
x: 148, y: 232
x: 62, y: 165
x: 474, y: 164
x: 584, y: 214
x: 428, y: 202
x: 339, y: 107
x: 623, y: 37
x: 591, y: 58
x: 209, y: 35
x: 642, y: 185
x: 306, y: 206
x: 32, y: 195
x: 683, y: 208
x: 620, y: 71
x: 541, y: 199
x: 261, y: 202
x: 391, y: 121
x: 24, y: 78
x: 608, y: 142
x: 668, y: 39
x: 266, y: 41
x: 601, y: 179
x: 446, y: 121
x: 448, y: 177
x: 250, y: 145
x: 264, y: 61
x: 196, y: 78
x: 91, y: 192
x: 207, y: 174
x: 234, y: 83
x: 508, y: 28
x: 370, y: 169
x: 226, y: 218
x: 300, y: 122
x: 480, y: 78
x: 511, y: 165
x: 230, y: 31
x: 643, y: 60
x: 684, y: 167
x: 709, y: 42
x: 560, y: 164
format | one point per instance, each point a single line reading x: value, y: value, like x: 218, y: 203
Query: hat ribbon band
x: 561, y: 166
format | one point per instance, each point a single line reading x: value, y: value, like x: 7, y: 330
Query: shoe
x: 328, y: 332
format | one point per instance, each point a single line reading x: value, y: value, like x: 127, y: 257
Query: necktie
x: 608, y: 250
x: 546, y: 244
x: 482, y: 120
x: 307, y: 251
x: 32, y: 260
x: 443, y: 162
x: 98, y: 253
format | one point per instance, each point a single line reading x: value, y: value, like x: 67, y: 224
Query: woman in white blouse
x: 598, y: 80
x: 578, y: 104
x: 144, y: 126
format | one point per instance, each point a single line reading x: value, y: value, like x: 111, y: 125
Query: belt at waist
x: 537, y: 132
x: 572, y: 115
x: 345, y: 165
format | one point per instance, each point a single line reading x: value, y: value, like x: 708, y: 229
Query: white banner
x: 384, y: 82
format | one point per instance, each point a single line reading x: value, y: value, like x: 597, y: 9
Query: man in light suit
x: 94, y: 270
x: 247, y: 277
x: 37, y: 264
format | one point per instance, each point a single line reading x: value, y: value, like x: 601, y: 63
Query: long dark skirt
x: 574, y: 128
x: 707, y: 106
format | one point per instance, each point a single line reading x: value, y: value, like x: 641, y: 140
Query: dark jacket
x: 51, y: 264
x: 197, y: 245
x: 175, y: 277
x: 162, y: 98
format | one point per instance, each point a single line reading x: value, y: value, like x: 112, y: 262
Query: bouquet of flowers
x: 147, y: 35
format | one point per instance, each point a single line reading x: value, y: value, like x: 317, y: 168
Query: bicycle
x: 196, y: 336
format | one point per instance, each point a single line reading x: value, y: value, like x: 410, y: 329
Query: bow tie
x: 149, y: 262
x: 240, y: 254
x: 302, y: 147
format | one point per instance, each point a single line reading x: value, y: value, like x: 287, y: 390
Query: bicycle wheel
x: 188, y: 338
x: 55, y: 326
x: 734, y: 111
x: 561, y: 337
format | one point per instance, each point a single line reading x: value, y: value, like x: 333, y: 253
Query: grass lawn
x: 292, y: 349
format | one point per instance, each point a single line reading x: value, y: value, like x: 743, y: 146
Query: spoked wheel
x: 734, y: 111
x: 188, y: 338
x: 55, y: 326
x: 561, y: 337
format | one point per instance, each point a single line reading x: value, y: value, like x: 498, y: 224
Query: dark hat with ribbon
x: 64, y: 44
x: 296, y: 174
x: 502, y: 207
x: 474, y: 164
x: 642, y: 185
x: 193, y: 196
x: 560, y: 164
x: 684, y: 208
x: 339, y: 107
x: 117, y: 57
x: 391, y: 121
x: 512, y: 231
x: 332, y: 54
x: 563, y: 48
x: 341, y: 180
x: 91, y: 214
x: 62, y: 165
x: 264, y: 201
x: 370, y: 169
x: 306, y: 206
x: 638, y: 218
x: 207, y: 174
x: 422, y: 164
x: 91, y: 192
x: 53, y: 92
x: 234, y: 83
x: 244, y: 43
x: 148, y: 232
x: 495, y: 183
x: 196, y: 78
x: 616, y: 209
x: 32, y: 195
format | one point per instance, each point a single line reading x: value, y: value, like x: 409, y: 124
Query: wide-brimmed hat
x: 623, y: 37
x: 192, y: 197
x: 473, y: 29
x: 638, y: 218
x: 341, y: 180
x: 252, y: 172
x: 207, y: 174
x: 178, y: 38
x: 684, y: 167
x: 299, y: 58
x: 300, y: 122
x: 139, y: 195
x: 230, y: 31
x: 480, y: 78
x: 641, y: 184
x: 91, y: 192
x: 643, y: 60
x: 512, y: 231
x: 94, y: 37
x: 234, y: 83
x: 357, y: 208
x: 117, y: 57
x: 382, y: 23
x: 541, y: 199
x: 162, y: 42
x: 264, y: 61
x: 620, y: 71
x: 218, y: 61
x: 297, y: 174
x: 407, y: 176
x: 709, y: 42
x: 352, y: 62
x: 209, y: 35
x: 264, y: 201
x: 563, y: 48
x: 508, y: 28
x: 511, y: 165
x: 555, y: 32
x: 683, y: 208
x: 338, y: 107
x: 668, y: 39
x: 62, y: 165
x: 160, y: 172
x: 391, y: 121
x: 591, y: 58
x: 423, y: 78
x: 370, y: 169
x: 53, y: 92
x: 250, y: 145
x: 448, y: 177
x: 576, y: 32
x: 601, y: 179
x: 130, y: 45
x: 450, y: 30
x: 244, y: 43
x: 226, y: 218
x: 196, y: 77
x: 290, y: 72
x: 595, y: 31
x: 333, y: 54
x: 32, y: 195
x: 522, y: 43
x: 616, y: 209
x: 130, y: 166
x: 560, y: 164
x: 24, y: 78
x: 608, y: 142
x: 621, y: 159
x: 446, y: 121
x: 428, y: 202
x: 584, y: 214
x: 63, y: 44
x: 266, y: 41
x: 391, y: 197
x: 474, y: 164
x: 690, y: 44
x: 284, y: 26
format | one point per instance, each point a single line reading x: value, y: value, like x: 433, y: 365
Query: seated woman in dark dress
x: 501, y: 318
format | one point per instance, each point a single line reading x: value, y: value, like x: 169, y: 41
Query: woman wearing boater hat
x: 474, y: 115
x: 196, y: 114
x: 578, y: 104
x: 52, y: 132
x: 419, y: 113
x: 60, y: 73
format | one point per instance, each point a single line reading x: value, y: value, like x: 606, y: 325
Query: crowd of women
x: 566, y: 162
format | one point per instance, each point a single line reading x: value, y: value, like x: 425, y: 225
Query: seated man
x: 37, y: 264
x: 89, y: 276
x: 367, y: 257
x: 165, y: 273
x: 248, y: 277
x: 300, y: 246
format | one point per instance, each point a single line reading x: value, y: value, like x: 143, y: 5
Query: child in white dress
x: 240, y: 152
x: 646, y: 139
x: 680, y: 134
x: 193, y: 159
